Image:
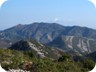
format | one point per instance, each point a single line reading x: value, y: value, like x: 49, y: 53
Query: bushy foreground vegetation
x: 11, y: 59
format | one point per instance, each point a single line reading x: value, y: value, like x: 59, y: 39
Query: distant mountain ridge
x: 76, y: 38
x: 46, y: 32
x: 76, y: 44
x: 43, y: 32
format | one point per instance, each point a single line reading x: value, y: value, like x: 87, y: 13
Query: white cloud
x: 56, y: 19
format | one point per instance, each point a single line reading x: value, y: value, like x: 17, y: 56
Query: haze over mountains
x: 81, y: 40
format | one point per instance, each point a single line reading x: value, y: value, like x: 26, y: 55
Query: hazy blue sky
x: 79, y: 12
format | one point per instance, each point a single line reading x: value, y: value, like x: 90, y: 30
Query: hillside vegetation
x: 27, y: 60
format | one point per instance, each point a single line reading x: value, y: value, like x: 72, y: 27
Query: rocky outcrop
x: 39, y: 49
x: 19, y: 70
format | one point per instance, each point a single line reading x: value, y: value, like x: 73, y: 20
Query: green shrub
x: 64, y: 58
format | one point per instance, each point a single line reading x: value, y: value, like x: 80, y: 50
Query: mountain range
x: 80, y: 40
